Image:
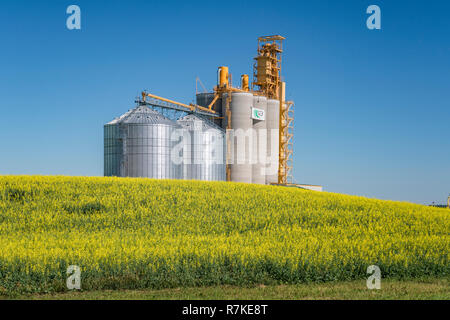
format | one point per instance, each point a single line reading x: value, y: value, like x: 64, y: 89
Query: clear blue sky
x: 372, y: 107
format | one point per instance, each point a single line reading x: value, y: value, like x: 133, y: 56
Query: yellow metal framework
x: 229, y: 159
x: 267, y: 81
x: 267, y: 68
x: 287, y: 144
x: 192, y: 107
x: 224, y: 86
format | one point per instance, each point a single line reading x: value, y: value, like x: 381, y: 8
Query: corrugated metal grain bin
x: 203, y: 149
x: 138, y: 144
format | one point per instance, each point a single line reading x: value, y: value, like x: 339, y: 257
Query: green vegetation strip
x: 391, y: 289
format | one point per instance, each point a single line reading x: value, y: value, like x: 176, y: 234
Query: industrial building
x: 241, y: 134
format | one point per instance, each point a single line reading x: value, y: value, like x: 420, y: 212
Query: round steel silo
x: 241, y: 123
x: 203, y: 149
x: 138, y: 144
x: 259, y: 140
x: 224, y: 111
x: 204, y: 100
x: 273, y: 125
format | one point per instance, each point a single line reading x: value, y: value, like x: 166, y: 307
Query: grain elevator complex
x: 240, y: 134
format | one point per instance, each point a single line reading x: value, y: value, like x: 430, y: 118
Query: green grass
x: 390, y: 289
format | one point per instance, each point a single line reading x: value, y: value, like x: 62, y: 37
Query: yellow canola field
x: 141, y: 233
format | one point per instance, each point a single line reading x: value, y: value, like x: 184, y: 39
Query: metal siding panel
x: 259, y: 145
x: 273, y: 115
x: 241, y: 104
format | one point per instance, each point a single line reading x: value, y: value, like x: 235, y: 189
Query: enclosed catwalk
x: 138, y: 144
x: 203, y: 149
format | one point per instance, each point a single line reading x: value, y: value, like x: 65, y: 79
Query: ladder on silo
x: 289, y: 151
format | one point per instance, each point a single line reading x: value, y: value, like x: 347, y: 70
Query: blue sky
x: 372, y: 106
